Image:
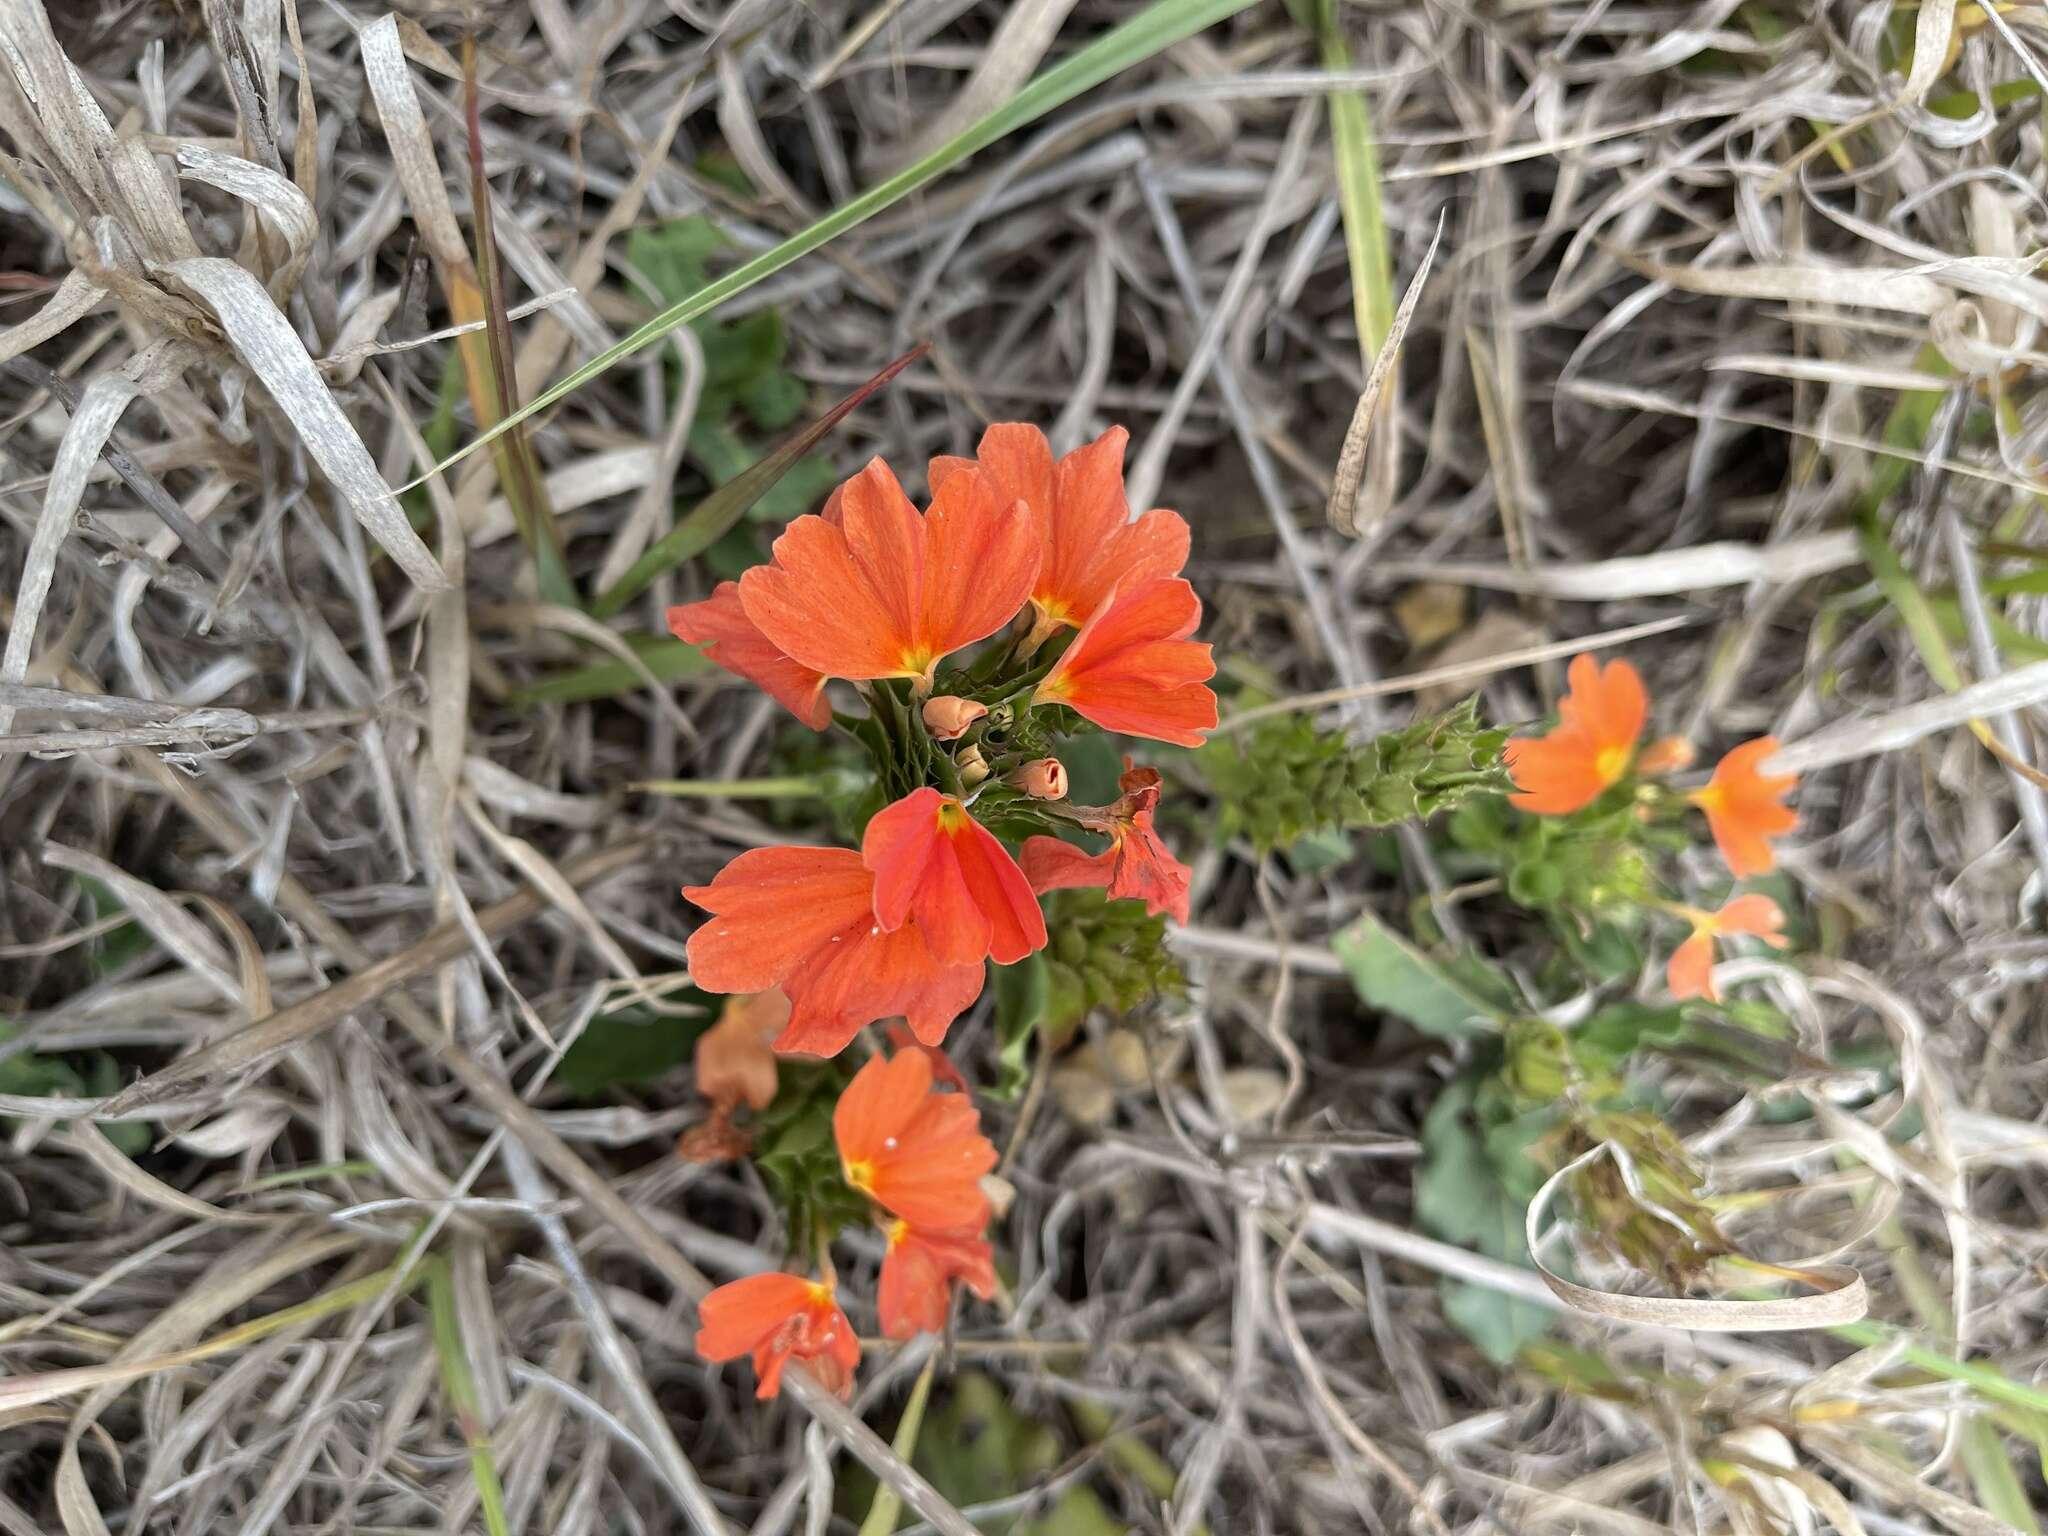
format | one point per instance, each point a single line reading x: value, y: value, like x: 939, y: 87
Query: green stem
x: 883, y: 1512
x: 794, y: 787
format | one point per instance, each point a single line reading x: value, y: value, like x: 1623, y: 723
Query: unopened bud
x: 947, y: 716
x: 1043, y: 778
x: 972, y: 765
x: 1667, y: 754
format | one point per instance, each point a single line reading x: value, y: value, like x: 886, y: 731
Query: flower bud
x: 947, y: 716
x: 972, y: 765
x: 734, y: 1062
x: 1043, y: 778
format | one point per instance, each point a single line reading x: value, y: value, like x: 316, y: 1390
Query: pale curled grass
x: 1654, y: 360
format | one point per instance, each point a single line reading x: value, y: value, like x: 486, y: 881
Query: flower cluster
x: 917, y: 1153
x: 1594, y: 747
x: 1091, y: 626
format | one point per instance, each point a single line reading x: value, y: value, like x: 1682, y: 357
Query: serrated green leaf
x: 1394, y: 976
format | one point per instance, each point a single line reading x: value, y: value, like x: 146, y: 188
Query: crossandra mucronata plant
x: 1088, y: 626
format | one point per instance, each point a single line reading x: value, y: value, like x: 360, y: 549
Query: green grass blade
x: 1358, y: 192
x: 882, y: 1513
x: 1159, y: 26
x: 462, y: 1396
x: 667, y: 658
x: 709, y: 519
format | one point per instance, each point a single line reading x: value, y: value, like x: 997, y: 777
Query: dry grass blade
x: 1348, y: 485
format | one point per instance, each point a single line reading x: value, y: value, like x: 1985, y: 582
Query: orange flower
x: 1745, y: 807
x: 1692, y: 963
x: 918, y: 1272
x: 777, y: 1318
x: 803, y: 919
x: 730, y: 639
x: 734, y: 1066
x: 875, y: 590
x: 917, y: 1153
x: 1091, y: 545
x: 1599, y: 721
x: 934, y: 861
x: 1133, y: 669
x: 1136, y: 865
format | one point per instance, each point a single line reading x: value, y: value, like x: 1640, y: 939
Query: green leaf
x: 1395, y: 977
x: 1472, y: 1188
x: 1154, y: 29
x: 1023, y: 992
x: 112, y: 950
x: 630, y: 1047
x: 729, y: 503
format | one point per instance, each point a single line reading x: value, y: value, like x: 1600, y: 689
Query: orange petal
x: 1052, y: 865
x: 772, y: 908
x: 917, y: 870
x: 1691, y: 972
x: 871, y: 974
x: 1132, y: 669
x: 1554, y: 775
x: 981, y: 554
x: 842, y: 597
x: 1609, y: 703
x: 732, y: 640
x: 1018, y: 461
x: 1755, y: 914
x: 735, y: 1318
x: 999, y: 890
x: 879, y: 1104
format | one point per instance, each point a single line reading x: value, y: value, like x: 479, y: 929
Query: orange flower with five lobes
x: 1691, y: 971
x: 777, y: 1318
x: 873, y: 589
x: 934, y: 862
x: 1133, y: 669
x: 1745, y: 807
x: 803, y: 920
x: 918, y: 1272
x: 1136, y: 865
x: 1599, y: 721
x: 1092, y: 547
x: 916, y: 1152
x: 731, y: 640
